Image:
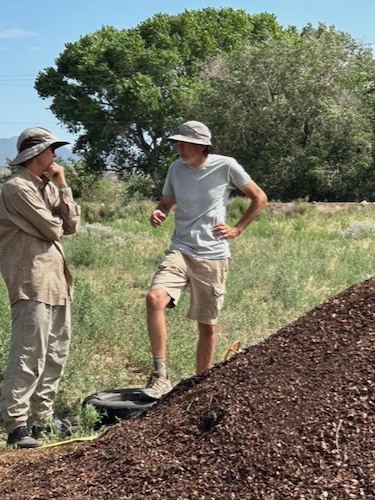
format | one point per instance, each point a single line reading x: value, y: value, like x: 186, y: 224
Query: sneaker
x: 20, y: 438
x: 54, y: 426
x: 156, y: 387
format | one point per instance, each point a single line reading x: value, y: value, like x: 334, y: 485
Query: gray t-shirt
x: 201, y: 195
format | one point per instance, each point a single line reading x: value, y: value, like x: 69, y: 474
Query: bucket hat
x: 32, y: 142
x: 194, y: 132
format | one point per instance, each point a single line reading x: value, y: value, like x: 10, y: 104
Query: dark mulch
x: 290, y: 418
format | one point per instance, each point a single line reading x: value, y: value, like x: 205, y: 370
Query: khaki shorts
x: 204, y: 277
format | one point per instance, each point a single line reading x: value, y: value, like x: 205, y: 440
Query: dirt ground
x: 279, y: 207
x: 290, y: 418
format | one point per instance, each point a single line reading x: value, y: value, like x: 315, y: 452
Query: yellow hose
x: 68, y: 441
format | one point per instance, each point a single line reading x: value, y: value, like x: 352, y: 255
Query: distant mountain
x: 8, y: 149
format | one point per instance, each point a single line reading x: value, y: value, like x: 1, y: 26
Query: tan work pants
x: 38, y: 351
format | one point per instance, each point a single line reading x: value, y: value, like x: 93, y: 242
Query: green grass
x: 285, y: 264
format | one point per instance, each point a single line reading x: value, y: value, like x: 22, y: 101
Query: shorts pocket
x: 219, y: 289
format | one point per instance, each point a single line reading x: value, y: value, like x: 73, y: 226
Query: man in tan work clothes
x: 36, y: 209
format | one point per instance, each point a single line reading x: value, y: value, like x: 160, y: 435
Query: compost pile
x: 292, y: 417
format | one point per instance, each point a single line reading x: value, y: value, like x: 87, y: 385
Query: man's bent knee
x: 157, y: 299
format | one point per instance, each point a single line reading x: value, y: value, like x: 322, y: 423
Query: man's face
x: 190, y: 153
x: 46, y: 159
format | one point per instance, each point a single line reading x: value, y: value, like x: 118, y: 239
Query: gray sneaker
x: 20, y: 438
x: 156, y: 387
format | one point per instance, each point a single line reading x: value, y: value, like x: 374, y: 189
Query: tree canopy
x: 125, y: 90
x: 297, y: 114
x: 296, y: 109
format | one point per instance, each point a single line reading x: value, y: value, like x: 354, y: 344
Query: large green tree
x: 296, y: 112
x: 124, y: 91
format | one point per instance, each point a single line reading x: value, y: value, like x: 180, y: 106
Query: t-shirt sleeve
x: 237, y: 174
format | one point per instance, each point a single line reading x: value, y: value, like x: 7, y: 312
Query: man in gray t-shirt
x: 199, y: 185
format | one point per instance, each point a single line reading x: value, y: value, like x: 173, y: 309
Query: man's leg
x: 168, y: 282
x: 30, y: 327
x: 159, y: 384
x: 56, y: 356
x: 27, y: 350
x: 206, y: 346
x: 156, y: 302
x: 207, y: 286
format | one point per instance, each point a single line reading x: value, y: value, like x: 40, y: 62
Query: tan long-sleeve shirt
x: 33, y: 217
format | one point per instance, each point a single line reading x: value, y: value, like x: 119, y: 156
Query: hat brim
x: 191, y: 140
x: 30, y: 153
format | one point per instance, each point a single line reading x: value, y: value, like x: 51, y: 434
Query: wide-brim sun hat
x: 193, y: 132
x: 32, y: 142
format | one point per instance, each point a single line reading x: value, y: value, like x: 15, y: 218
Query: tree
x: 124, y: 91
x: 294, y: 112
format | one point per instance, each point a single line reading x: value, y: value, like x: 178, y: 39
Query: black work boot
x: 20, y: 438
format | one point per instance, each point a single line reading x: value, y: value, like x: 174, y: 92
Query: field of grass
x: 288, y: 261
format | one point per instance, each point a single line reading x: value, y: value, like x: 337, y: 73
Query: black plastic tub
x: 117, y: 404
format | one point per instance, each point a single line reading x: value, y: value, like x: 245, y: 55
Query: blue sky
x: 33, y: 35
